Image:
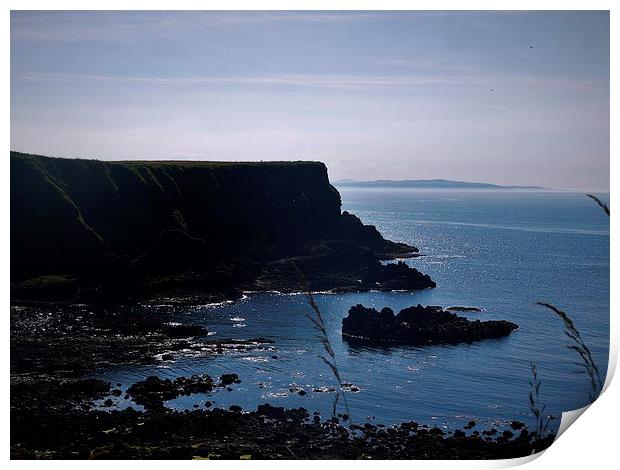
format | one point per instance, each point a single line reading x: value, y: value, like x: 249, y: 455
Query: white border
x: 592, y: 442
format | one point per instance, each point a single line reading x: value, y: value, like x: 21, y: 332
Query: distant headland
x: 429, y: 184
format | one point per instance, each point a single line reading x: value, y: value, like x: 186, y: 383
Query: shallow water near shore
x: 498, y: 250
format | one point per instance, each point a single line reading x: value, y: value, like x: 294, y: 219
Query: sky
x: 501, y: 97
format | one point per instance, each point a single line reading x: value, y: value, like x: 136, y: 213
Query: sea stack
x: 418, y: 325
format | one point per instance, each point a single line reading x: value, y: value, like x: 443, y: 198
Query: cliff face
x: 80, y: 217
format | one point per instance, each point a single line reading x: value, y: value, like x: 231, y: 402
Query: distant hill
x: 430, y: 184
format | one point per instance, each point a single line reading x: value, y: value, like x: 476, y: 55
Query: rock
x: 517, y: 425
x: 470, y: 425
x: 270, y: 411
x: 103, y: 453
x: 418, y: 325
x: 235, y: 408
x: 400, y: 276
x: 46, y: 288
x: 116, y: 392
x: 507, y: 434
x: 350, y: 388
x: 85, y: 387
x: 458, y: 433
x: 436, y: 431
x: 464, y: 309
x: 108, y: 402
x: 167, y: 357
x: 227, y: 379
x: 153, y: 391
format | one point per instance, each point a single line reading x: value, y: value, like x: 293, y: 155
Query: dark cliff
x: 123, y: 222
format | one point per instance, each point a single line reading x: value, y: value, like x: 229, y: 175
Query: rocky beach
x: 57, y: 413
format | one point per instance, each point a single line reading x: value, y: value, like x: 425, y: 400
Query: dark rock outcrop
x: 56, y: 431
x: 459, y: 308
x: 167, y: 228
x: 227, y: 379
x: 153, y: 391
x: 418, y: 325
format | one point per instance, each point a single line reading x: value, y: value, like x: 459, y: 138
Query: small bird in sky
x: 531, y: 47
x: 492, y: 90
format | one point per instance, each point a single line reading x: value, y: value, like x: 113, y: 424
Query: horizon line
x: 333, y: 182
x: 348, y: 181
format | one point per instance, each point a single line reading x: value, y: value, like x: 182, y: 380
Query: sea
x: 499, y: 250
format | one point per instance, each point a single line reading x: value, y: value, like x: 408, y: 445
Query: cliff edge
x: 94, y: 229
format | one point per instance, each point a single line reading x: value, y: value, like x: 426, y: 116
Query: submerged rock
x: 418, y: 325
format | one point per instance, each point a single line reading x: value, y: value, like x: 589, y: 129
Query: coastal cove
x: 308, y: 234
x: 500, y: 252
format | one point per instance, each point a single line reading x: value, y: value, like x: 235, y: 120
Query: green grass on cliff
x: 176, y: 163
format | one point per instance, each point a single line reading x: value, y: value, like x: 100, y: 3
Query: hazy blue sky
x: 402, y: 95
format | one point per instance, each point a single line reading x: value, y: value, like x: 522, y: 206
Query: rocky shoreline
x: 54, y: 412
x: 335, y: 270
x: 57, y: 430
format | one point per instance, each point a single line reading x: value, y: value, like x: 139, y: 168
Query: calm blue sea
x: 498, y: 250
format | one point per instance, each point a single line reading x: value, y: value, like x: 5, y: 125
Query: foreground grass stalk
x: 330, y: 356
x: 604, y: 206
x: 542, y: 422
x: 587, y: 362
x: 579, y: 346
